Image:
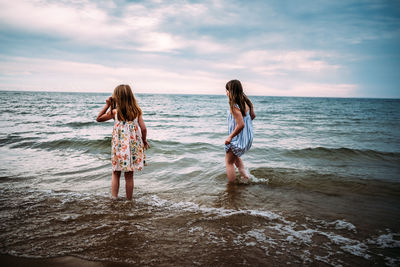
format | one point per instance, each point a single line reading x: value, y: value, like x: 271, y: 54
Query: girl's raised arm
x: 252, y: 114
x: 103, y: 114
x: 144, y: 132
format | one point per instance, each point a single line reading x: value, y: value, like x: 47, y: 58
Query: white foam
x: 193, y: 207
x: 290, y: 239
x: 283, y: 227
x: 303, y: 236
x: 338, y: 224
x: 255, y: 180
x: 196, y: 228
x: 213, y: 238
x: 306, y: 256
x: 351, y: 246
x: 258, y: 234
x: 342, y: 224
x: 69, y: 217
x: 358, y: 249
x: 387, y: 241
x: 251, y: 244
x: 326, y: 260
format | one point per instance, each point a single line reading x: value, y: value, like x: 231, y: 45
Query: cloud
x: 324, y: 90
x: 284, y: 62
x: 86, y: 23
x: 63, y: 75
x: 317, y: 49
x: 135, y: 27
x: 302, y: 89
x: 83, y: 21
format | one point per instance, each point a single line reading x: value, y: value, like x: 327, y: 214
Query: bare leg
x: 230, y: 169
x: 115, y: 184
x: 129, y: 184
x: 239, y: 164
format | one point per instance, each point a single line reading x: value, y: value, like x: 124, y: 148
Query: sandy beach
x: 67, y: 261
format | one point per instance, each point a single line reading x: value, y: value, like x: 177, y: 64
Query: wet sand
x: 67, y: 261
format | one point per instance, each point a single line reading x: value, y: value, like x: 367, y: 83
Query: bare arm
x: 144, y: 132
x: 239, y: 125
x: 103, y: 114
x: 252, y: 114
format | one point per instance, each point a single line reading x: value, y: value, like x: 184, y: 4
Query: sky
x: 275, y: 48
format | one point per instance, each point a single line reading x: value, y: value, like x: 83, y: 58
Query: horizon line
x: 99, y: 92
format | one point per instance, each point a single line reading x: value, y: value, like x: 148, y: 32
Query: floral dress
x: 127, y: 150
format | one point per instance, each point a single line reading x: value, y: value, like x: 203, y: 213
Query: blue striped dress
x: 241, y: 142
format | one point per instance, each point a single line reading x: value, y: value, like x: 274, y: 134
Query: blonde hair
x: 124, y: 101
x: 237, y: 96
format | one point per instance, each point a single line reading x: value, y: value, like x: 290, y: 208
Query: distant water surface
x: 325, y: 182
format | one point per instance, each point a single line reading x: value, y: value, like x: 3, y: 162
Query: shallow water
x: 325, y: 182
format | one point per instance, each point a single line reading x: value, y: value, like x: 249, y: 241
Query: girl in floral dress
x: 129, y: 137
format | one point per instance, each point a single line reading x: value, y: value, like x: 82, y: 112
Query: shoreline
x: 63, y: 261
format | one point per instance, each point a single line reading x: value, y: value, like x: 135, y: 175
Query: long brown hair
x: 237, y: 96
x: 125, y: 103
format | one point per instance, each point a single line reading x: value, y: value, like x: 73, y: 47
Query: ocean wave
x: 163, y: 115
x: 165, y: 146
x: 314, y: 181
x: 342, y: 153
x: 79, y: 124
x: 91, y: 146
x: 104, y: 145
x: 15, y: 138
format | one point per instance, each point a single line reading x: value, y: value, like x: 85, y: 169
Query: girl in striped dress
x: 240, y: 128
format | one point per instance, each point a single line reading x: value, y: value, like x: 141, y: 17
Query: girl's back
x: 242, y: 141
x: 128, y: 138
x: 127, y: 143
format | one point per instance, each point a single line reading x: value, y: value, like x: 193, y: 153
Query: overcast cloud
x: 290, y: 48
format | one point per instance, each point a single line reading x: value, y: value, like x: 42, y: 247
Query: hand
x: 108, y: 101
x: 146, y: 145
x: 228, y: 140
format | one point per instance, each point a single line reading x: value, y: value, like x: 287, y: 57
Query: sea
x: 324, y: 182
